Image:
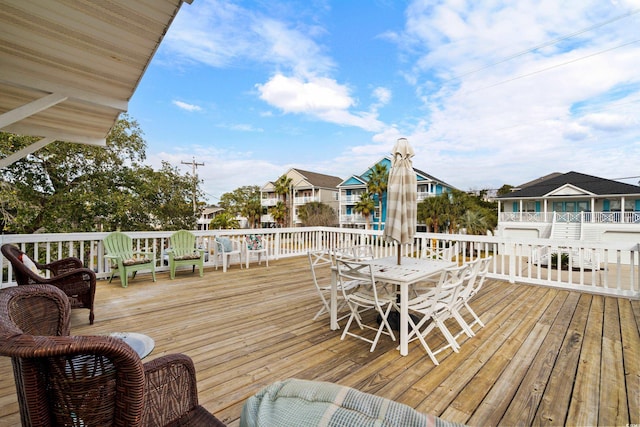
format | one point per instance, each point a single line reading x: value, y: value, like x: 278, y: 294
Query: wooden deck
x: 545, y: 357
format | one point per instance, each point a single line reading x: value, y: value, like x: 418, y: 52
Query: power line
x: 545, y: 44
x: 555, y: 66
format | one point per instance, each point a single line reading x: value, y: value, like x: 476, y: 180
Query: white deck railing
x: 588, y: 267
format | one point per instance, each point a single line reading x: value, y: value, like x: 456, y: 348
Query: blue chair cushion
x: 227, y: 246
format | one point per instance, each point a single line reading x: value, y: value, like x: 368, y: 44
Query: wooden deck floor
x: 545, y: 357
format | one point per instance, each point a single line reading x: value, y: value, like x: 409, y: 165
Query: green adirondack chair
x: 124, y: 259
x: 182, y: 251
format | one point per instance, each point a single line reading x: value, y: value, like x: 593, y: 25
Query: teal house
x: 352, y: 189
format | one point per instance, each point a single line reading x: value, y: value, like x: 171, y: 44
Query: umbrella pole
x: 399, y: 250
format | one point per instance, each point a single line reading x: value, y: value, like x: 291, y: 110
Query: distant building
x: 571, y: 205
x: 352, y: 188
x: 207, y: 214
x: 305, y: 187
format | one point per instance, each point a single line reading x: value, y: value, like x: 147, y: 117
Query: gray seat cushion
x: 302, y: 403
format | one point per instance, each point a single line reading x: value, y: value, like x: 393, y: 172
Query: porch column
x: 622, y: 209
x: 593, y: 209
x: 520, y: 210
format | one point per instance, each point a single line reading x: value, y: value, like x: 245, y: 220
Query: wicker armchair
x: 89, y: 380
x: 68, y: 274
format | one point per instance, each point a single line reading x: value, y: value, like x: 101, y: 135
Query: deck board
x: 546, y: 356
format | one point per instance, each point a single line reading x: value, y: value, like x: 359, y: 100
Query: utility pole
x: 194, y: 167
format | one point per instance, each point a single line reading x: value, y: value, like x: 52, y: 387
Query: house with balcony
x: 207, y: 215
x: 574, y: 206
x: 306, y: 187
x: 352, y: 188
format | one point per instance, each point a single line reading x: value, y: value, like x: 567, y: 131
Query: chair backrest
x: 182, y: 242
x: 470, y: 278
x: 254, y: 242
x: 23, y: 274
x: 119, y: 244
x: 61, y: 379
x: 483, y: 269
x: 320, y: 264
x: 224, y: 245
x: 35, y: 310
x: 350, y: 272
x: 447, y: 252
x: 446, y: 291
x: 354, y: 253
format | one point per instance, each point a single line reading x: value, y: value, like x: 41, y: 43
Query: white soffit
x: 68, y: 68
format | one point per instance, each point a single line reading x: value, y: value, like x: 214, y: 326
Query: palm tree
x: 279, y: 213
x: 224, y: 221
x: 252, y: 211
x: 377, y: 185
x: 365, y: 206
x: 433, y: 211
x: 474, y: 222
x: 282, y: 189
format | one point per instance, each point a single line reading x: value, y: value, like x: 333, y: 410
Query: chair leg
x: 383, y: 324
x: 123, y: 278
x: 416, y: 330
x: 475, y: 316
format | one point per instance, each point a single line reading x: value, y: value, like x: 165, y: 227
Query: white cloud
x: 491, y: 108
x: 319, y: 97
x: 186, y: 106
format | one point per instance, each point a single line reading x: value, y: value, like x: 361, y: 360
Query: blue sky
x: 488, y: 93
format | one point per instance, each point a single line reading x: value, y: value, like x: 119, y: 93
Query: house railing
x: 606, y: 268
x: 585, y: 217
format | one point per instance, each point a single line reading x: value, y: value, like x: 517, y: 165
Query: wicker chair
x: 68, y: 274
x: 89, y: 380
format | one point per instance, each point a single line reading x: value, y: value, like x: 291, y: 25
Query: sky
x: 487, y: 92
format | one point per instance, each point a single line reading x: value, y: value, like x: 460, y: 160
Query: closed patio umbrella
x: 402, y: 208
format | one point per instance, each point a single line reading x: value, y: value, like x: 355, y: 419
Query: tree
x: 225, y: 221
x: 67, y: 187
x: 234, y: 202
x: 377, y: 185
x: 282, y: 189
x: 473, y: 222
x: 279, y: 213
x: 243, y: 201
x: 457, y: 210
x: 252, y: 210
x: 167, y: 196
x: 365, y: 206
x: 432, y: 211
x: 505, y: 189
x: 317, y: 214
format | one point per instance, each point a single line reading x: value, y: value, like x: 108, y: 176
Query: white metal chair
x: 446, y: 252
x: 257, y: 245
x: 474, y: 287
x: 468, y: 284
x: 354, y: 253
x: 365, y: 298
x: 436, y: 305
x: 320, y: 263
x: 224, y: 249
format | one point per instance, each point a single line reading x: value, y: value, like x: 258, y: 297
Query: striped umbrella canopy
x: 402, y: 208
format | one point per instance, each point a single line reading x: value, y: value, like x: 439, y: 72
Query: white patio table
x: 409, y: 272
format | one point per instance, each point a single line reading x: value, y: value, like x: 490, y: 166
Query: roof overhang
x: 68, y: 68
